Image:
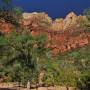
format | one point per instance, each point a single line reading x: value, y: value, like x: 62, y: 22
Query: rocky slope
x: 36, y: 20
x: 42, y: 19
x: 64, y: 34
x: 68, y: 22
x: 63, y: 41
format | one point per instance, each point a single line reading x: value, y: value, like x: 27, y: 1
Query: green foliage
x: 18, y: 11
x: 69, y: 69
x: 87, y: 13
x: 6, y: 5
x: 84, y: 81
x: 3, y: 41
x: 22, y: 57
x: 77, y: 63
x: 19, y: 55
x: 10, y: 13
x: 6, y: 1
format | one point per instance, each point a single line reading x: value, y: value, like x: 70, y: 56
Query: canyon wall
x: 63, y: 34
x: 63, y: 41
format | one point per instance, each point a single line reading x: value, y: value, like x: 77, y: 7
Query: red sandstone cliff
x: 63, y: 41
x: 63, y: 34
x: 42, y: 19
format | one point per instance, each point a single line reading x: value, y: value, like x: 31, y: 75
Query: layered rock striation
x: 64, y: 34
x: 63, y: 41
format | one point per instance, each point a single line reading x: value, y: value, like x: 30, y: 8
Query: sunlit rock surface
x: 64, y: 34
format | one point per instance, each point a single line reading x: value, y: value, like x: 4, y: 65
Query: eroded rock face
x: 63, y: 41
x: 71, y: 20
x: 57, y: 25
x: 37, y: 20
x: 63, y: 34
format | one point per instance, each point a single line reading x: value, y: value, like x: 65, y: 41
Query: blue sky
x: 55, y: 8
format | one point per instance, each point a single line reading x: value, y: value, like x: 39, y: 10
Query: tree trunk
x: 67, y: 88
x: 28, y: 85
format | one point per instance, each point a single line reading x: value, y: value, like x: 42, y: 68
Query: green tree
x: 6, y: 4
x: 25, y: 51
x: 87, y: 13
x: 84, y: 81
x: 10, y: 13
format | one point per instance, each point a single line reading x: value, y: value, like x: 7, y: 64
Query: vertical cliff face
x: 37, y: 20
x: 70, y: 20
x: 58, y: 24
x: 63, y: 41
x: 63, y: 34
x: 44, y: 21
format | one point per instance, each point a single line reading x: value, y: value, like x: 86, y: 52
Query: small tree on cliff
x: 6, y: 4
x: 87, y: 13
x: 86, y: 24
x: 10, y: 13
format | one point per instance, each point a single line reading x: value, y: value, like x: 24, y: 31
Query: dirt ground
x: 13, y: 86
